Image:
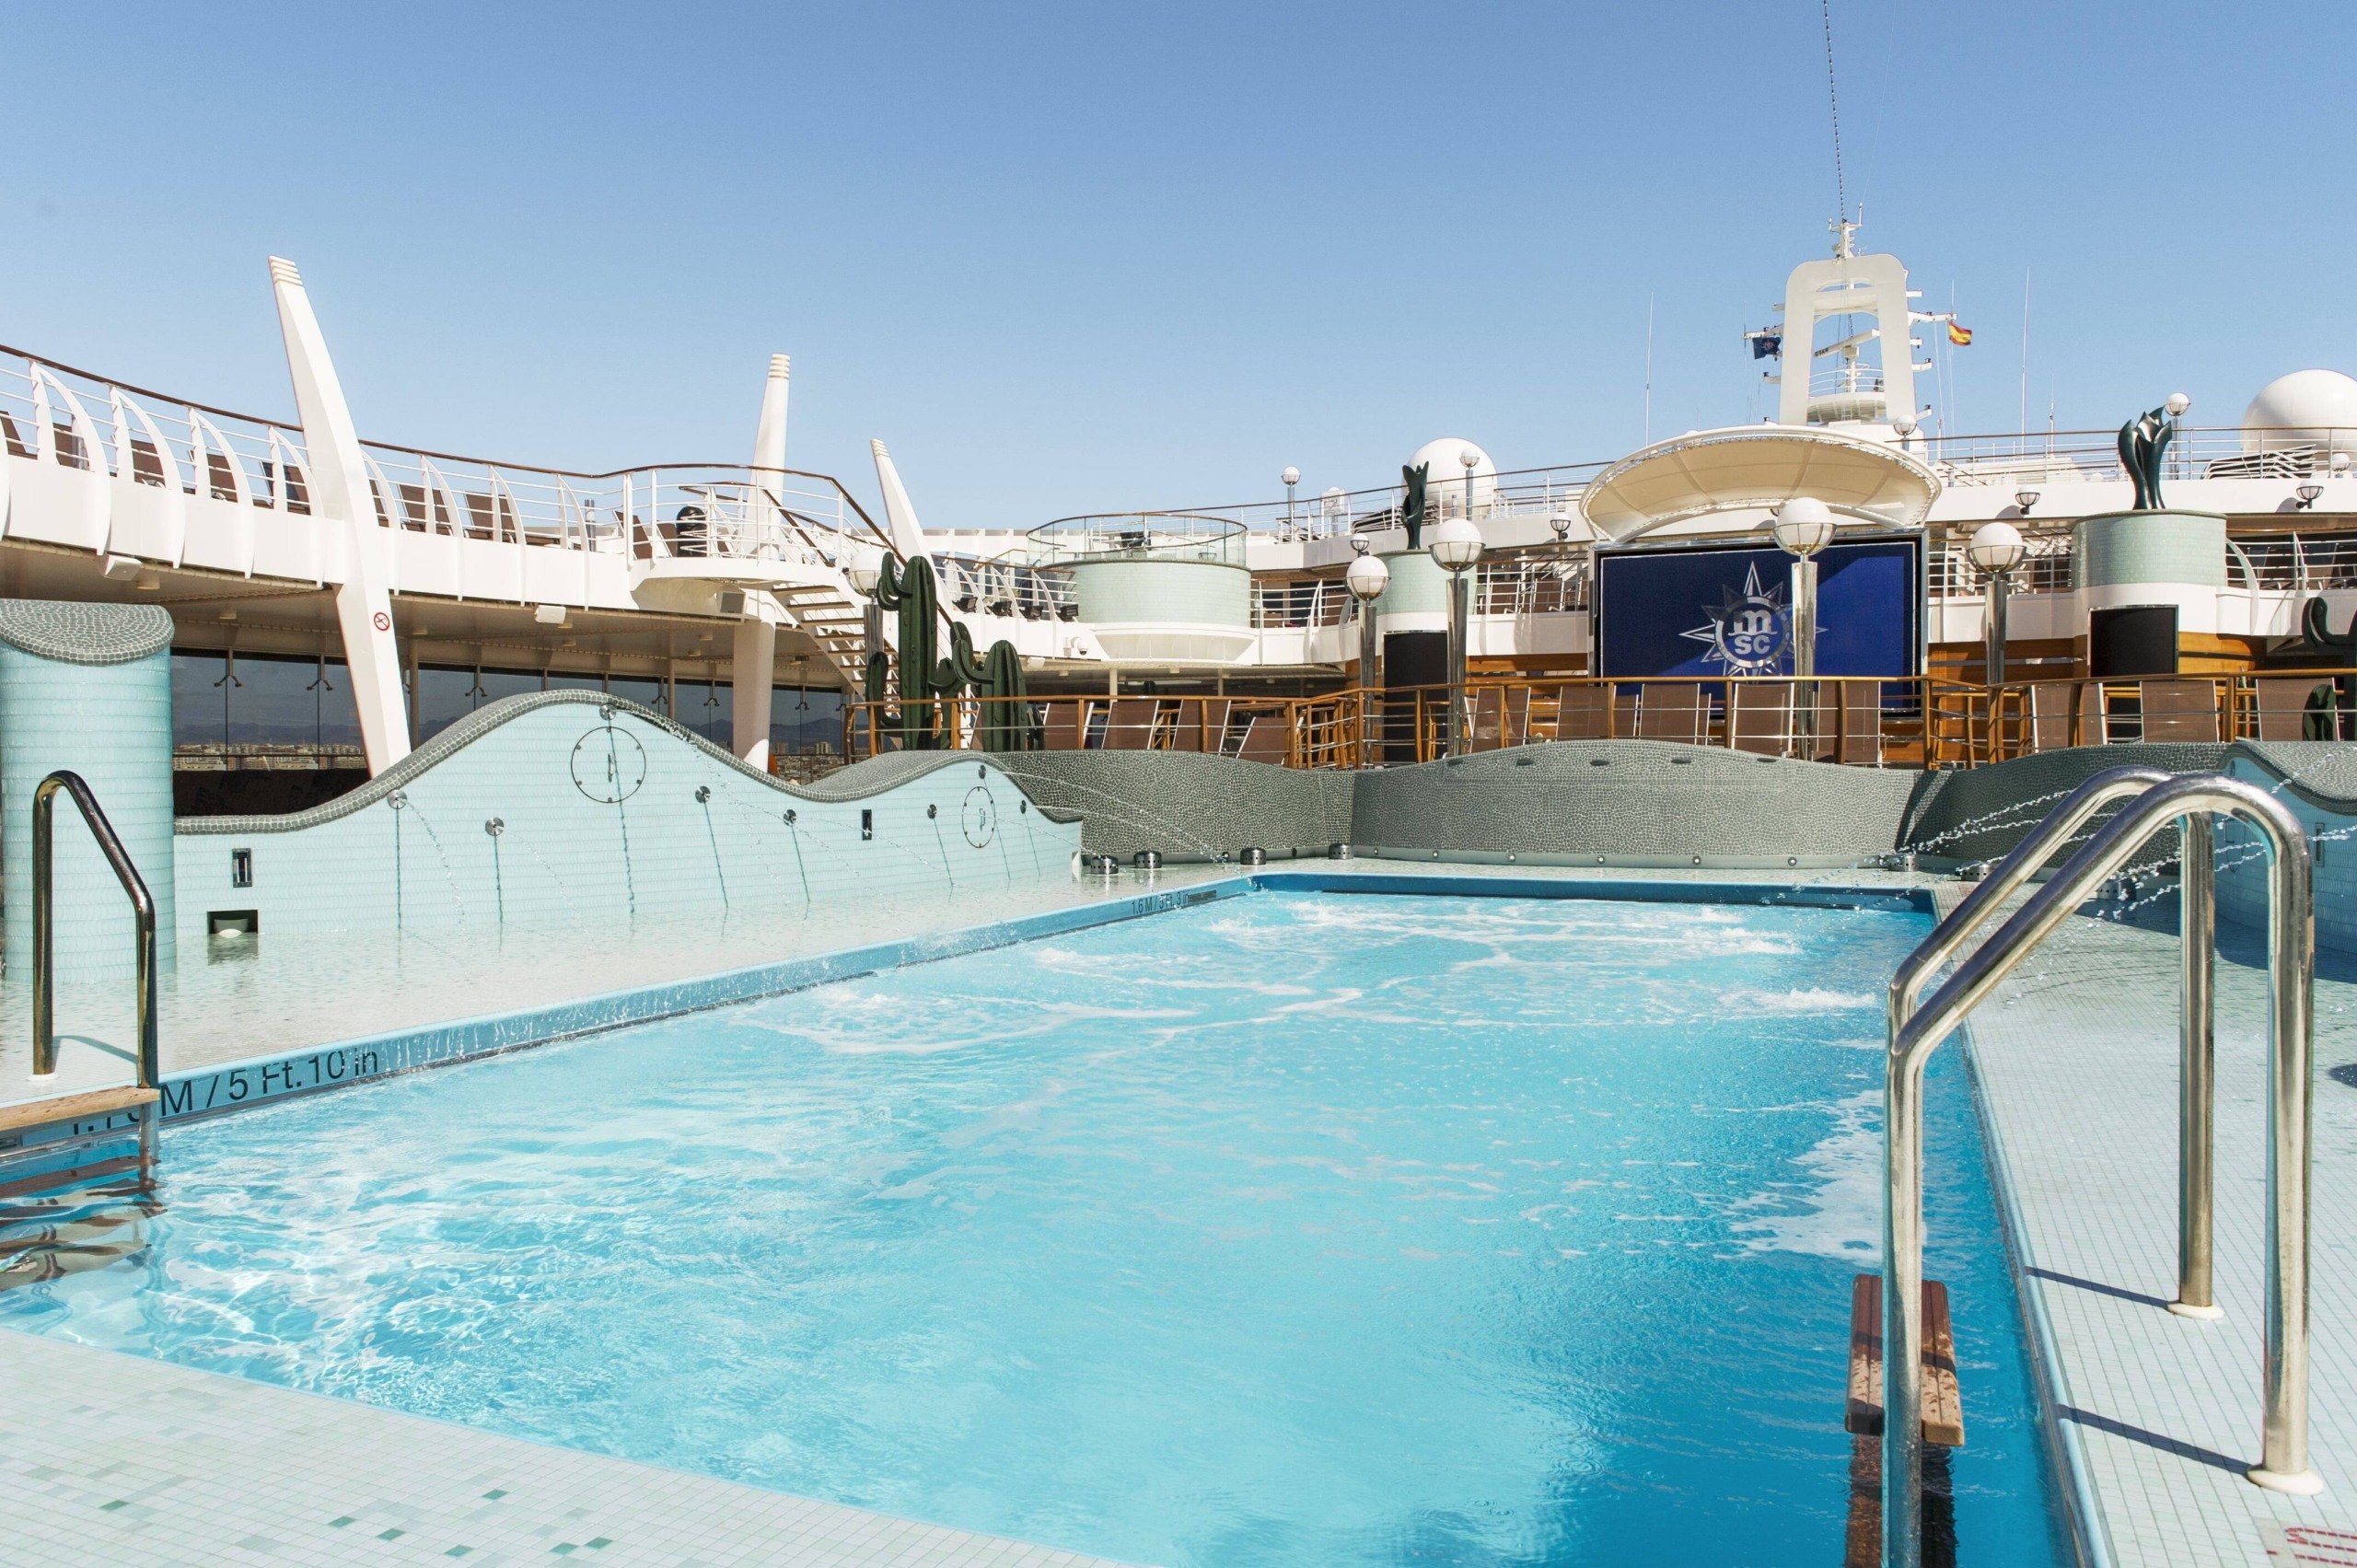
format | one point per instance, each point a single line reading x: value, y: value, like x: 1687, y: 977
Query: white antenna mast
x: 1649, y: 368
x: 2024, y: 415
x: 1833, y: 102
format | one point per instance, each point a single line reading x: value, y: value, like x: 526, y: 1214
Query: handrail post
x: 2197, y: 1064
x: 2291, y: 1115
x: 1916, y: 1033
x: 143, y: 920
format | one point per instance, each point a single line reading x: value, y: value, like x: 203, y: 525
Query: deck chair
x: 1861, y: 724
x: 1584, y: 713
x: 1670, y: 710
x: 1266, y: 738
x: 1485, y: 720
x: 1131, y: 725
x: 2283, y: 705
x: 2053, y: 710
x: 2094, y: 714
x: 1760, y: 717
x: 1067, y: 723
x: 1518, y: 716
x: 2180, y: 710
x: 1186, y: 726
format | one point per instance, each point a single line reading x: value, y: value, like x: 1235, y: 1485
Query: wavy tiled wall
x: 559, y: 809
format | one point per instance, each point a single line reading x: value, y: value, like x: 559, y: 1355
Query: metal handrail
x: 143, y: 913
x: 1915, y: 1034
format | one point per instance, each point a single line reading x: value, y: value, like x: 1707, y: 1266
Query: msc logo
x: 1749, y: 631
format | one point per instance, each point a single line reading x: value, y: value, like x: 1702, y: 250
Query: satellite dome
x: 2307, y: 408
x: 1444, y: 479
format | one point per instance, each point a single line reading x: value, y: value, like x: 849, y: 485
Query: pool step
x: 78, y: 1183
x: 1943, y: 1425
x: 1943, y: 1400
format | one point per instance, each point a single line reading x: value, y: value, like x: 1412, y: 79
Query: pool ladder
x: 77, y: 1171
x: 142, y: 916
x: 2154, y: 801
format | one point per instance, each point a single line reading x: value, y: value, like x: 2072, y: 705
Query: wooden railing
x: 1905, y: 721
x: 1909, y: 721
x: 2021, y: 717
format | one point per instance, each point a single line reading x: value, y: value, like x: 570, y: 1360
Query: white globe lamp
x: 863, y: 572
x: 1803, y: 526
x: 1367, y: 577
x: 2177, y: 403
x: 1455, y: 543
x: 1996, y: 547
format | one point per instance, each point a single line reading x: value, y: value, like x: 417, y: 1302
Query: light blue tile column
x: 87, y: 687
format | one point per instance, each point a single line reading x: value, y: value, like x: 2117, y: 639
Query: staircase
x: 834, y: 621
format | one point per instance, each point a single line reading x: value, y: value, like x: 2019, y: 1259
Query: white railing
x: 53, y: 414
x: 978, y: 586
x: 2045, y: 568
x: 2292, y: 563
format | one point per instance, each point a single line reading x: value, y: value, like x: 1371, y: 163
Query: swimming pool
x: 1297, y: 1228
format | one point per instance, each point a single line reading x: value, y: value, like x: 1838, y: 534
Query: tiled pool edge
x: 264, y: 1080
x: 2065, y: 1450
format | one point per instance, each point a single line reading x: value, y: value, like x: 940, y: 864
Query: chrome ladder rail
x: 1916, y: 1033
x: 143, y: 912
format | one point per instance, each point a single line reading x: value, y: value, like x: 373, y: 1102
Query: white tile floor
x: 114, y: 1458
x: 2076, y: 1060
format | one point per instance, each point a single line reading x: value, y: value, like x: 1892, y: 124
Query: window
x: 251, y: 700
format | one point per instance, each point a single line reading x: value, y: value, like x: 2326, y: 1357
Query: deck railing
x: 53, y: 412
x: 1907, y: 721
x: 1996, y: 723
x: 1872, y: 722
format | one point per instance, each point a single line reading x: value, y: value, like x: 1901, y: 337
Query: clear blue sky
x: 1080, y: 257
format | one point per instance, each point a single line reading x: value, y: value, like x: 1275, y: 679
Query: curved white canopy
x: 1758, y: 465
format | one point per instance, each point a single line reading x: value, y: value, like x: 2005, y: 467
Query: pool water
x: 1291, y: 1229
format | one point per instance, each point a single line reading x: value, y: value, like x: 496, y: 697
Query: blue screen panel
x: 1719, y: 610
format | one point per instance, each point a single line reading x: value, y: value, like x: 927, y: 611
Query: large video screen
x: 1726, y: 609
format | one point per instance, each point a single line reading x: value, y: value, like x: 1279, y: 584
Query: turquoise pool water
x: 1294, y: 1230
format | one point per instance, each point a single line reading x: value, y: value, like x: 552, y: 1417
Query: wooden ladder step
x: 1943, y: 1400
x: 73, y: 1107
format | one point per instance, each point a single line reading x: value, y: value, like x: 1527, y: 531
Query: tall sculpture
x: 925, y: 681
x: 2142, y: 440
x: 1412, y: 510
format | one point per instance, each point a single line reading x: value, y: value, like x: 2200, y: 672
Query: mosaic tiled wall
x: 1189, y: 807
x: 1630, y: 802
x: 85, y: 687
x: 2318, y: 780
x: 1634, y: 803
x: 1980, y: 814
x: 560, y: 810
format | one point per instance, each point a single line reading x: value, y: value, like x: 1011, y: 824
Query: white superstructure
x: 302, y: 537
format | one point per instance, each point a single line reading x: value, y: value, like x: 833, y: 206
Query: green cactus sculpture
x: 910, y: 590
x: 1007, y: 726
x: 925, y: 680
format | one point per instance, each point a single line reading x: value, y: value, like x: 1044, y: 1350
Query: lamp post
x: 1367, y: 577
x: 1291, y: 476
x: 1455, y: 546
x: 1995, y: 549
x: 1803, y: 526
x: 1471, y: 459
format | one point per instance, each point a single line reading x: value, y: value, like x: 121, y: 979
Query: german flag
x: 1960, y: 336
